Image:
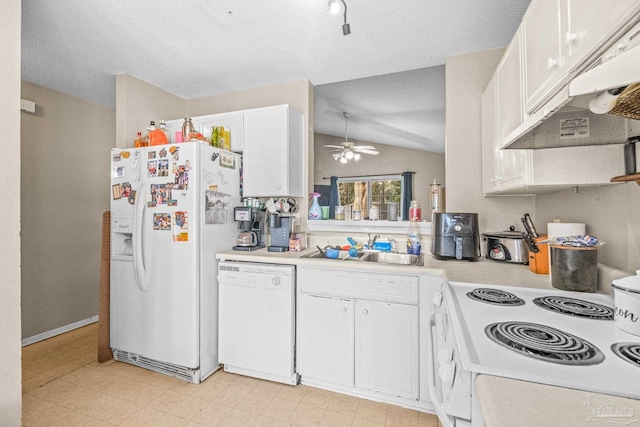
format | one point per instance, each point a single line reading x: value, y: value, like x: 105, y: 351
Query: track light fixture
x: 334, y: 7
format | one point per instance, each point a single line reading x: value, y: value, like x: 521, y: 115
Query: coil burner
x: 627, y: 351
x: 495, y: 296
x: 575, y: 307
x: 544, y: 343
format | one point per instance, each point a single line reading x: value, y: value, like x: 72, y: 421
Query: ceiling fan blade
x: 334, y: 146
x: 367, y: 152
x: 364, y: 147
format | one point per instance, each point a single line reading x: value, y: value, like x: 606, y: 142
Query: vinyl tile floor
x: 64, y: 385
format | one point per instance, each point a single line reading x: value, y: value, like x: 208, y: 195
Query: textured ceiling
x: 195, y: 48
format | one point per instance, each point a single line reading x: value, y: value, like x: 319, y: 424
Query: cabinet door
x: 513, y: 168
x: 510, y: 165
x: 265, y: 152
x: 324, y: 348
x: 386, y: 354
x: 274, y: 152
x: 543, y: 57
x: 489, y: 136
x: 591, y: 24
x: 509, y: 89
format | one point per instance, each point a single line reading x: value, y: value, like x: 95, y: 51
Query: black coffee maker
x: 252, y: 228
x: 455, y: 236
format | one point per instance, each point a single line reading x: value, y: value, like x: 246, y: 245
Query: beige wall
x: 427, y: 166
x: 611, y: 213
x: 10, y: 372
x: 137, y: 103
x: 466, y: 78
x: 65, y: 190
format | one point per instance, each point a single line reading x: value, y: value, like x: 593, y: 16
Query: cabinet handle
x: 437, y: 299
x: 622, y: 45
x: 365, y: 311
x: 343, y: 309
x: 570, y: 38
x: 552, y: 63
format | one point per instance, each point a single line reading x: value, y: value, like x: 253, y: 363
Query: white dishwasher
x: 257, y: 320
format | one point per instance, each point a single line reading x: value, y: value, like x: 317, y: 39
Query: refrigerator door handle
x: 138, y: 256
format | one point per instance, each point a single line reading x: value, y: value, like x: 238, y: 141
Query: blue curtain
x: 407, y: 193
x: 334, y: 197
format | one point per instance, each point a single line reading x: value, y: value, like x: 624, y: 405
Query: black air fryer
x: 455, y: 236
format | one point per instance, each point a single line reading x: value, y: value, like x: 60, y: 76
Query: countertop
x: 508, y: 403
x: 482, y: 271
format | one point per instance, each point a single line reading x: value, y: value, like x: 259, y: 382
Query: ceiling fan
x: 348, y: 150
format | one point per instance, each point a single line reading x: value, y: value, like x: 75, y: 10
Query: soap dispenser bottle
x: 314, y: 211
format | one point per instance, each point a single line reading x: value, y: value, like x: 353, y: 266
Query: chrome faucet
x: 394, y: 246
x: 371, y: 241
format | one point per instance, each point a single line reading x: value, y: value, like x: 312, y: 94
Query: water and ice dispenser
x: 121, y: 238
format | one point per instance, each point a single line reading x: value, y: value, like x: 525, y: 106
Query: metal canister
x: 574, y: 269
x: 436, y: 197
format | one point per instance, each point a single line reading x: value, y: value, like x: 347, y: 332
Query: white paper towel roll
x: 563, y: 229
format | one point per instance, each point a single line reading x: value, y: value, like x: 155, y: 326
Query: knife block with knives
x: 538, y: 254
x: 539, y: 261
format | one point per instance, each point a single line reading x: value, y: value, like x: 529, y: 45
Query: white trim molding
x: 58, y: 331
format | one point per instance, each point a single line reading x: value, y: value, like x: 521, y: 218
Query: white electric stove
x: 554, y: 337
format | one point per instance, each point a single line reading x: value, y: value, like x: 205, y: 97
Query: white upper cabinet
x: 591, y: 24
x: 543, y: 60
x: 273, y: 152
x: 502, y: 113
x: 560, y: 37
x: 519, y: 172
x: 509, y: 88
x: 489, y: 139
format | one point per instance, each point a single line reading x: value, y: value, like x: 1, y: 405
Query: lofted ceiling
x: 388, y: 73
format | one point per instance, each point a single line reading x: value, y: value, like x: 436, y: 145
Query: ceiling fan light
x: 336, y: 156
x: 349, y: 154
x: 343, y: 160
x: 333, y: 6
x: 356, y: 157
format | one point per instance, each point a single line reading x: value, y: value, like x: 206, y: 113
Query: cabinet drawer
x: 358, y: 284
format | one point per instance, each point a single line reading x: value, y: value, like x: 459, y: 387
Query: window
x: 360, y: 193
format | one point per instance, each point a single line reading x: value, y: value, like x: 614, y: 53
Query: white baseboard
x: 60, y: 330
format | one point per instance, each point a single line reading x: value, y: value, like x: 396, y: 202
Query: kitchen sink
x: 378, y: 257
x: 395, y: 258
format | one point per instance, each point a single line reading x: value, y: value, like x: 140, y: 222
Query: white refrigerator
x: 171, y: 212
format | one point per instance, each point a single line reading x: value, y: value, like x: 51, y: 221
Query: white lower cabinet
x: 345, y: 338
x: 386, y: 348
x: 325, y: 338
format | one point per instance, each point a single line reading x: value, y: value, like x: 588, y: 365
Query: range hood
x: 618, y: 72
x: 600, y: 106
x: 613, y: 83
